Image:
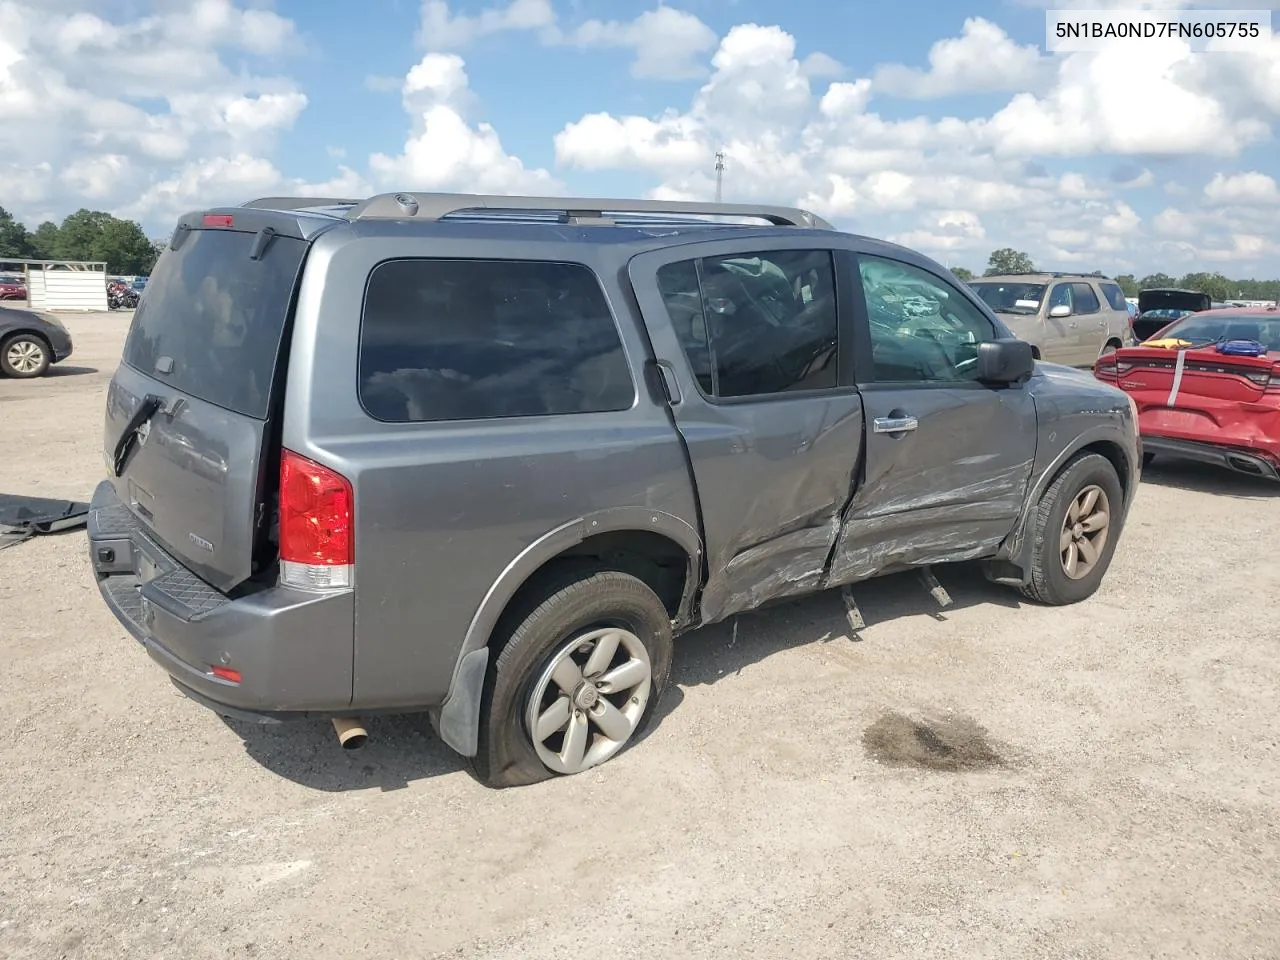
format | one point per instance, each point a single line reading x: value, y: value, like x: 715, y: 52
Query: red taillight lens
x: 226, y: 673
x: 315, y: 513
x: 219, y: 220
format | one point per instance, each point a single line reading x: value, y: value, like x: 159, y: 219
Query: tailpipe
x: 350, y: 731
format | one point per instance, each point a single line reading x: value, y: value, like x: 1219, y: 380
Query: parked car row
x: 630, y: 424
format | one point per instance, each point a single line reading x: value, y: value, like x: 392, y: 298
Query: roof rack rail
x: 298, y: 203
x: 1049, y: 273
x: 435, y: 206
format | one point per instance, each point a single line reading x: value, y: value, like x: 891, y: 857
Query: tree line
x: 84, y: 235
x: 1007, y: 260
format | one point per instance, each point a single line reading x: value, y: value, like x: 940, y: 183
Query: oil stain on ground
x: 951, y: 743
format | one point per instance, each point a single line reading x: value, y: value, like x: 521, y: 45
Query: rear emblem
x: 200, y: 542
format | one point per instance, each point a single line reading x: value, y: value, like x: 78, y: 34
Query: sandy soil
x: 1111, y: 789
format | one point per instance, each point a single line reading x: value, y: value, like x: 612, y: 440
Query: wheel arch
x: 645, y: 543
x: 1012, y: 563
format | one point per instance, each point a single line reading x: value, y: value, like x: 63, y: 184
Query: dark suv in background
x: 485, y: 457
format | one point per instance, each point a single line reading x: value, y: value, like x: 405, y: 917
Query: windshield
x: 1209, y: 328
x: 1021, y: 298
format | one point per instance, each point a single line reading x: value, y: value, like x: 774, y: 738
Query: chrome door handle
x: 894, y: 424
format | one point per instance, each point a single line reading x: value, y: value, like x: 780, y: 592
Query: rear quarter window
x: 482, y: 339
x: 1115, y: 296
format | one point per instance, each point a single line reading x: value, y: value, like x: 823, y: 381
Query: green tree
x: 1009, y: 260
x: 963, y: 274
x: 45, y: 240
x: 95, y: 235
x: 1214, y: 284
x: 1128, y: 284
x: 15, y: 241
x: 1156, y: 280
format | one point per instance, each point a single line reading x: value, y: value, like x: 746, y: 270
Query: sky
x: 943, y: 125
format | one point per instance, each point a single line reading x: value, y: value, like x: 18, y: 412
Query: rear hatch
x: 192, y: 409
x: 1165, y: 306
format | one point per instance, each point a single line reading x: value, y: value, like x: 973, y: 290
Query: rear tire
x: 24, y: 356
x: 553, y: 664
x: 1075, y: 529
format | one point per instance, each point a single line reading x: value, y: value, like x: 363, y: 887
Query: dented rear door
x: 948, y: 460
x: 754, y: 349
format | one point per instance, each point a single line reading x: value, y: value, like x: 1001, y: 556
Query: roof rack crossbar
x: 298, y: 203
x: 435, y: 206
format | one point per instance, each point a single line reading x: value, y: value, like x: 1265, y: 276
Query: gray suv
x: 1071, y: 318
x: 484, y: 457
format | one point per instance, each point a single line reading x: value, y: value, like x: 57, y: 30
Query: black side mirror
x: 1005, y: 361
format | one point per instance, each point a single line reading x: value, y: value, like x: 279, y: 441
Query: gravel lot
x: 1112, y: 790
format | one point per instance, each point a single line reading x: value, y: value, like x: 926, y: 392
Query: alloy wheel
x: 589, y: 700
x: 1084, y: 532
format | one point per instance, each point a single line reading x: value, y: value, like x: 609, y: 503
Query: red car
x: 1207, y: 387
x: 12, y: 290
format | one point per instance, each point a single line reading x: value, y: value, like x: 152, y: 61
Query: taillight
x: 1273, y: 384
x: 219, y: 220
x: 1109, y: 365
x: 316, y: 507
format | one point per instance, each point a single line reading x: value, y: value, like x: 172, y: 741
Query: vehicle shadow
x: 713, y: 653
x: 66, y: 370
x: 400, y: 750
x: 1206, y: 478
x: 403, y: 749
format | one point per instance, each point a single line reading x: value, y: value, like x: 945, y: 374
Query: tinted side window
x: 1086, y: 301
x: 922, y: 328
x: 477, y: 339
x: 1115, y: 296
x: 756, y: 324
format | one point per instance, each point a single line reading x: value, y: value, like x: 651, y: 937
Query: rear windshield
x: 219, y: 316
x: 1208, y: 328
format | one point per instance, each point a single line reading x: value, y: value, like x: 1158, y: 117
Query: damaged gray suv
x: 485, y: 457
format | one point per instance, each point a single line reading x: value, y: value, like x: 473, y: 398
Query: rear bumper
x: 1254, y: 463
x: 292, y: 648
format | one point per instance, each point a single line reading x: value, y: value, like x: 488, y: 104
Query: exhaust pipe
x: 350, y: 731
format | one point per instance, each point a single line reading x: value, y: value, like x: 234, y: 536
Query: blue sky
x: 945, y: 126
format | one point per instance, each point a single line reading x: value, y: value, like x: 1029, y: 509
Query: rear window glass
x: 478, y: 339
x: 1115, y: 296
x: 219, y: 316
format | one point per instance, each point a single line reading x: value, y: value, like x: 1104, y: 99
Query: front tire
x: 1075, y: 530
x: 24, y: 356
x: 577, y: 679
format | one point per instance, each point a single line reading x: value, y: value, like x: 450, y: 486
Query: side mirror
x: 1005, y: 361
x: 1060, y: 311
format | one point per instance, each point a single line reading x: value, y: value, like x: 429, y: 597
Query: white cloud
x: 1171, y: 222
x: 442, y: 30
x: 983, y: 59
x: 789, y: 138
x: 444, y: 151
x: 1242, y: 189
x: 668, y: 44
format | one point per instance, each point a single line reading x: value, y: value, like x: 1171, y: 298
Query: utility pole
x: 719, y: 174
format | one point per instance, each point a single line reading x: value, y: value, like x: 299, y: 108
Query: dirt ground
x: 996, y: 780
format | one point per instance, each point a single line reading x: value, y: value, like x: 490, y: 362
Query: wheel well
x: 10, y: 334
x: 1114, y: 453
x: 1113, y: 342
x: 656, y: 560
